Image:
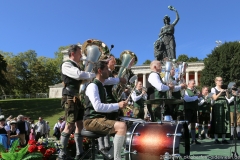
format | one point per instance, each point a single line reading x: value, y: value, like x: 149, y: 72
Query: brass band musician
x: 104, y: 142
x: 138, y: 96
x: 190, y: 108
x: 72, y: 77
x: 204, y: 110
x: 157, y: 89
x: 176, y: 110
x: 97, y: 108
x: 234, y: 94
x: 220, y: 123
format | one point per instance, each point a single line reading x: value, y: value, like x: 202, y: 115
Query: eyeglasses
x: 219, y: 80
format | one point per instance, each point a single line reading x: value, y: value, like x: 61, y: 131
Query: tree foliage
x: 147, y: 62
x: 29, y: 74
x: 223, y: 61
x: 185, y: 58
x: 3, y: 70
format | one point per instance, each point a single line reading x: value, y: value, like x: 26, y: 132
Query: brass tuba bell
x: 93, y: 50
x: 128, y: 59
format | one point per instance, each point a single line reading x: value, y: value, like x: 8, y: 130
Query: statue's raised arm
x: 166, y: 36
x: 177, y: 15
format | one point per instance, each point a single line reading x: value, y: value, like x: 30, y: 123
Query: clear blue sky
x: 45, y: 25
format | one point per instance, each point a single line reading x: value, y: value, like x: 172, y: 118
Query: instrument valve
x: 177, y: 134
x: 137, y: 134
x: 134, y: 152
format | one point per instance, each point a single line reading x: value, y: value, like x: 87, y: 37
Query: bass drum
x: 152, y: 141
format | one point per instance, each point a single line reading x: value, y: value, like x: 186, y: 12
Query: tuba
x: 93, y: 50
x: 128, y: 59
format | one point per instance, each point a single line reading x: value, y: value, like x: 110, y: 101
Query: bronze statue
x: 165, y: 45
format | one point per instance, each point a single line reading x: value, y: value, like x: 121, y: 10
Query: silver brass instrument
x: 167, y: 79
x: 181, y: 71
x: 128, y: 59
x: 94, y: 50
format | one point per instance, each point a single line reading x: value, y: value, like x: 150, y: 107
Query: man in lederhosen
x: 97, y: 109
x: 157, y: 89
x: 72, y: 77
x: 190, y: 108
x: 104, y: 142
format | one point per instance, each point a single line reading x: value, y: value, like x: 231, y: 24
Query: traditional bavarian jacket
x: 204, y: 104
x: 96, y: 101
x: 157, y: 88
x: 191, y: 101
x: 138, y: 98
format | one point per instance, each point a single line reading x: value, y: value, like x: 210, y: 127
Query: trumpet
x: 144, y: 89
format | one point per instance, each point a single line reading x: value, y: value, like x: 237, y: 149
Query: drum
x: 154, y: 140
x: 130, y: 121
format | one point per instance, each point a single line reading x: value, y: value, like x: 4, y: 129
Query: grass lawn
x: 49, y: 109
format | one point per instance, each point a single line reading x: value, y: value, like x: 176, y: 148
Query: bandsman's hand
x: 183, y: 85
x: 171, y: 86
x: 123, y: 104
x: 122, y: 80
x: 143, y: 92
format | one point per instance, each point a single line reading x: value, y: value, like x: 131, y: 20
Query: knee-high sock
x: 106, y: 141
x: 193, y: 133
x: 199, y: 130
x: 238, y: 131
x: 64, y: 142
x: 232, y: 130
x: 100, y: 143
x: 223, y: 136
x: 206, y: 130
x: 118, y: 144
x: 79, y: 143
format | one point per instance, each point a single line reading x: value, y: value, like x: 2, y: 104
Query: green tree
x: 3, y: 70
x: 223, y: 61
x: 193, y: 59
x: 182, y: 58
x: 147, y: 62
x: 185, y: 58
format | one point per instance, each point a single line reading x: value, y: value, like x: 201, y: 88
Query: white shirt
x: 57, y: 125
x: 93, y: 95
x: 136, y: 98
x: 155, y: 81
x: 71, y: 71
x: 187, y: 98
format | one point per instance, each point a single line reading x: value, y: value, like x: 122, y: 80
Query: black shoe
x: 195, y: 142
x: 231, y: 138
x: 225, y: 142
x: 103, y: 151
x: 107, y: 148
x: 217, y: 141
x: 64, y: 157
x: 78, y: 157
